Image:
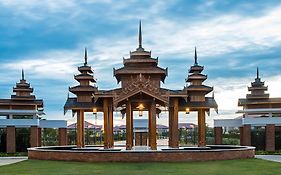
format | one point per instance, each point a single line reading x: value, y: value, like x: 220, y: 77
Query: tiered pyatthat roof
x: 196, y: 90
x: 23, y: 90
x: 257, y: 89
x: 140, y: 62
x: 258, y: 99
x: 84, y: 90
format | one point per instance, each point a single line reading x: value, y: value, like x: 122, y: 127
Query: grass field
x: 229, y: 167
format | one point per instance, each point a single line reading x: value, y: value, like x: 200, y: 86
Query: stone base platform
x: 118, y: 154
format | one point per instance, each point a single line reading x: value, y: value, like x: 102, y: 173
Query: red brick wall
x: 11, y: 139
x: 62, y: 136
x: 34, y: 136
x: 246, y: 135
x: 218, y: 135
x: 270, y: 137
x: 152, y: 156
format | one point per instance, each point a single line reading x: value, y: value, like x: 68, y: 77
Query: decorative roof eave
x: 140, y: 53
x: 257, y: 83
x: 251, y: 96
x: 29, y: 97
x: 72, y: 104
x: 85, y: 68
x: 17, y: 89
x: 21, y: 102
x: 258, y: 88
x: 196, y: 68
x: 122, y: 71
x: 199, y: 88
x: 138, y: 70
x: 23, y: 84
x: 196, y: 77
x: 209, y: 103
x: 260, y: 110
x: 160, y: 98
x: 84, y: 77
x: 20, y: 112
x: 244, y: 101
x: 82, y: 89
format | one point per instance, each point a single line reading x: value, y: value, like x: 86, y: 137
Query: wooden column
x: 173, y: 123
x: 218, y: 135
x: 132, y: 127
x: 270, y: 137
x: 34, y: 136
x: 11, y: 139
x: 201, y: 128
x: 83, y: 127
x: 105, y: 123
x: 110, y: 124
x: 149, y: 130
x: 129, y: 126
x: 152, y: 128
x: 62, y: 136
x: 80, y: 129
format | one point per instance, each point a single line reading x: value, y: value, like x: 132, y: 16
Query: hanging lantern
x: 140, y: 108
x: 187, y: 110
x: 95, y: 111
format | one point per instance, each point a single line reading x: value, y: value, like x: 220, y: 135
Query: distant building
x: 258, y: 110
x: 23, y: 110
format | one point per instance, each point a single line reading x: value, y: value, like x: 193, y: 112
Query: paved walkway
x: 11, y: 160
x: 274, y: 158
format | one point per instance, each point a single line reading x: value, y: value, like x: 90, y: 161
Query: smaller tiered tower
x: 257, y: 89
x: 84, y: 91
x: 23, y: 90
x: 196, y: 90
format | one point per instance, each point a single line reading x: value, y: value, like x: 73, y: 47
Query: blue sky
x: 47, y: 39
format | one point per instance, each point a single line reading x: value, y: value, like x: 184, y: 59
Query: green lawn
x: 241, y: 167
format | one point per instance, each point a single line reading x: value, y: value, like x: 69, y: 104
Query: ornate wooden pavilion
x: 140, y: 90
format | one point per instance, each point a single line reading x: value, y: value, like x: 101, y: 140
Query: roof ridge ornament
x: 140, y: 38
x: 22, y: 74
x: 86, y: 57
x: 258, y: 73
x: 195, y: 57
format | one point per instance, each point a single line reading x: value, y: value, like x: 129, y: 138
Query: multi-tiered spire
x: 140, y: 62
x: 84, y: 90
x: 196, y: 90
x: 23, y: 90
x: 257, y: 88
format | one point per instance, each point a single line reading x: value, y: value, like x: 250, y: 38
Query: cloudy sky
x: 47, y: 39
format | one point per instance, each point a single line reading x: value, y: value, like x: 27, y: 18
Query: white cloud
x: 168, y: 38
x: 220, y: 35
